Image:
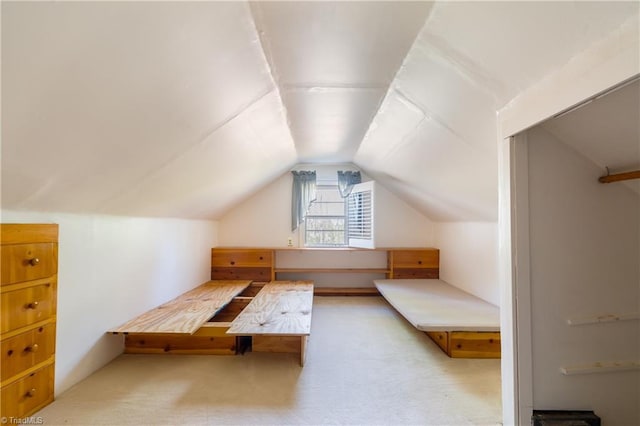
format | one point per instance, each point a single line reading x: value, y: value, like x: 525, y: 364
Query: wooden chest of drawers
x: 28, y: 288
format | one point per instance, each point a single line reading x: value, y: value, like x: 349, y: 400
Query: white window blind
x: 360, y: 214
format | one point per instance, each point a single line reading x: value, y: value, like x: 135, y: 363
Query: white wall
x: 264, y: 220
x: 111, y: 269
x: 584, y: 251
x: 469, y: 257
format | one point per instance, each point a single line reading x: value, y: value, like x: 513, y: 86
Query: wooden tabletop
x: 186, y: 313
x: 281, y: 308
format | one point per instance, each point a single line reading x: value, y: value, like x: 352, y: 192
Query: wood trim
x: 413, y: 273
x: 474, y: 344
x: 180, y: 344
x: 347, y: 291
x: 468, y: 344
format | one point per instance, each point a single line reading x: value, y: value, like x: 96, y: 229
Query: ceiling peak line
x: 201, y: 140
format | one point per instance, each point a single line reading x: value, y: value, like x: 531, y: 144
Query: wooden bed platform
x: 225, y: 317
x: 463, y: 325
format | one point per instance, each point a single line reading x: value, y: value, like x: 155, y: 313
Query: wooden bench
x: 463, y: 325
x: 211, y: 319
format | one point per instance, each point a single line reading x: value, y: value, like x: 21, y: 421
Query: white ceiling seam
x: 228, y: 120
x: 221, y: 168
x: 438, y: 49
x: 432, y: 116
x: 405, y: 138
x: 390, y: 125
x: 176, y: 158
x: 256, y: 14
x: 437, y: 209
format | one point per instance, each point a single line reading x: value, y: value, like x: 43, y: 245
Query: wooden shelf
x: 346, y: 291
x: 335, y: 270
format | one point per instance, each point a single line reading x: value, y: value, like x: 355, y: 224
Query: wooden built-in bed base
x: 462, y: 325
x: 226, y: 317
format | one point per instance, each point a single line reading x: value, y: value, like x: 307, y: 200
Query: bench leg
x: 303, y: 350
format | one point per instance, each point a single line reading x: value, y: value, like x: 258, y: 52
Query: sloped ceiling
x: 183, y: 109
x: 606, y: 130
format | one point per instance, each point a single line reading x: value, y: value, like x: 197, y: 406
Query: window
x: 326, y: 223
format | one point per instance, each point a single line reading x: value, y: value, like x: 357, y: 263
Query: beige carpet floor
x: 365, y: 366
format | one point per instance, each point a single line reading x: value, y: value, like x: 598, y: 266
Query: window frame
x: 344, y: 217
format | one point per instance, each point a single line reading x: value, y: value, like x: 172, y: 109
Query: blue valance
x: 346, y: 181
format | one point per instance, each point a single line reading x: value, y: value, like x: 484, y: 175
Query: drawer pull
x: 33, y: 348
x: 34, y: 261
x: 232, y: 262
x: 30, y: 393
x: 32, y: 305
x: 419, y: 262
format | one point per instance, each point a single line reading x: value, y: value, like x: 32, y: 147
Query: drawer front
x: 26, y: 306
x: 416, y: 258
x: 240, y: 257
x: 242, y: 273
x: 25, y: 350
x: 26, y: 262
x: 24, y: 397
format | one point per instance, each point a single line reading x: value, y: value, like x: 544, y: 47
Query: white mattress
x: 434, y: 305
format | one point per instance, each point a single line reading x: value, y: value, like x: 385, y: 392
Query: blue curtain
x: 346, y: 180
x: 304, y: 192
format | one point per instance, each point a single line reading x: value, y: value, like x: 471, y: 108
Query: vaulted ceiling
x: 184, y: 109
